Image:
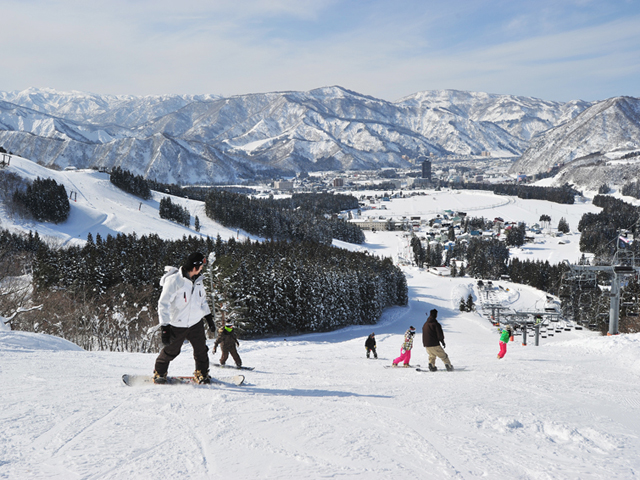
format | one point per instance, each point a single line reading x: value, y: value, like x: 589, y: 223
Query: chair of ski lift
x: 630, y: 312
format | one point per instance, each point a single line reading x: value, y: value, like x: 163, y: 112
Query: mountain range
x: 599, y: 146
x: 198, y: 139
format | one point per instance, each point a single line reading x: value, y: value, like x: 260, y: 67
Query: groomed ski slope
x: 315, y: 407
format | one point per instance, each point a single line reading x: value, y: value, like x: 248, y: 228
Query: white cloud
x: 244, y: 46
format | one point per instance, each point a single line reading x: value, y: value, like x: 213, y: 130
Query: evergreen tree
x: 45, y: 200
x: 451, y: 234
x: 462, y: 305
x: 134, y: 184
x: 563, y: 226
x: 470, y: 306
x: 487, y: 258
x: 462, y: 272
x: 174, y: 212
x: 545, y: 220
x: 515, y: 235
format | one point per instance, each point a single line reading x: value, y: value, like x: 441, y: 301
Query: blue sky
x: 554, y: 50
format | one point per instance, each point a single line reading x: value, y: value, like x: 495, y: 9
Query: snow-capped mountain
x: 601, y: 145
x: 209, y: 139
x: 522, y: 117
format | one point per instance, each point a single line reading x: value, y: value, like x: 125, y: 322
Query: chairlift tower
x: 623, y: 265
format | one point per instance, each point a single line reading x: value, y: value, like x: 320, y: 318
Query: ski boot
x: 160, y: 379
x: 202, y: 378
x: 449, y: 367
x: 432, y: 367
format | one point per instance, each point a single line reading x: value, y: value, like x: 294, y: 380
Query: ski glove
x: 166, y: 334
x: 443, y: 345
x: 209, y: 319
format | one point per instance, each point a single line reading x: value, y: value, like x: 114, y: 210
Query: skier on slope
x: 505, y: 335
x: 407, y: 345
x: 181, y: 308
x: 370, y: 345
x: 432, y: 337
x: 227, y: 340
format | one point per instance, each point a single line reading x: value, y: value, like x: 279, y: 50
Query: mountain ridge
x: 207, y: 138
x: 589, y: 148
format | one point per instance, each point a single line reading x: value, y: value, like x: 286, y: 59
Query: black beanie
x: 434, y: 313
x: 194, y: 261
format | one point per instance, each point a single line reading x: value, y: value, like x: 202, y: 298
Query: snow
x: 315, y: 407
x: 102, y: 208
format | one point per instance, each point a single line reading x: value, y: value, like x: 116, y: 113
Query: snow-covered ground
x: 315, y: 407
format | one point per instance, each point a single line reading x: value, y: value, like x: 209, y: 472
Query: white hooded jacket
x: 182, y: 302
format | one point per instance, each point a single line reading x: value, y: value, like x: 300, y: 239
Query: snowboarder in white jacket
x: 181, y: 309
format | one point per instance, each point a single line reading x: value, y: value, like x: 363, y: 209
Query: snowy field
x: 315, y: 407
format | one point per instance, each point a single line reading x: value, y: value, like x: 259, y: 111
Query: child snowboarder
x: 227, y: 340
x: 505, y: 336
x: 370, y: 345
x: 407, y: 345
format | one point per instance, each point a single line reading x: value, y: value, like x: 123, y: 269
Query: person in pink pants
x: 407, y: 345
x: 505, y: 336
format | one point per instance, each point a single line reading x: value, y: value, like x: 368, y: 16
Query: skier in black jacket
x: 370, y: 345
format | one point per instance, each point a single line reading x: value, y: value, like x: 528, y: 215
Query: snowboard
x: 455, y: 369
x: 140, y: 380
x: 232, y: 366
x: 400, y: 366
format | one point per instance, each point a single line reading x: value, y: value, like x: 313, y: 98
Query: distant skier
x: 228, y: 341
x: 432, y: 337
x: 505, y: 335
x: 370, y: 345
x: 181, y: 308
x: 407, y: 345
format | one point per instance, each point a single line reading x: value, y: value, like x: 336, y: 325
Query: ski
x: 455, y: 369
x: 140, y: 380
x: 232, y: 366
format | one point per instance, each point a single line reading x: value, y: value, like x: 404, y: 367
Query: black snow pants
x: 198, y: 339
x: 234, y: 355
